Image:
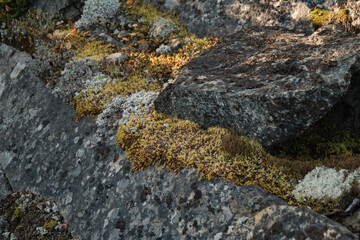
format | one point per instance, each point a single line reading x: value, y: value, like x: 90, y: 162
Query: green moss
x: 22, y: 32
x: 17, y: 212
x: 50, y: 225
x: 95, y: 50
x: 10, y: 9
x: 320, y: 141
x: 322, y: 17
x: 177, y: 144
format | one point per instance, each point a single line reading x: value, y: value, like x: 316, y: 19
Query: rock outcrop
x: 265, y: 82
x: 45, y: 151
x: 224, y: 17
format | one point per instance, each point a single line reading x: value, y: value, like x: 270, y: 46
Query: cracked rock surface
x: 43, y: 150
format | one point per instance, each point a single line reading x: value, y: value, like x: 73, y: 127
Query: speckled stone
x: 96, y: 191
x: 223, y: 17
x: 267, y: 83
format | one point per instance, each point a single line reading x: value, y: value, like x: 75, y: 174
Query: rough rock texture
x: 70, y: 8
x: 48, y: 153
x: 5, y: 187
x: 223, y: 17
x: 264, y: 82
x: 27, y: 216
x: 346, y: 113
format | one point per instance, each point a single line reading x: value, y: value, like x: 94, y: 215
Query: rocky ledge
x: 265, y: 82
x: 45, y: 151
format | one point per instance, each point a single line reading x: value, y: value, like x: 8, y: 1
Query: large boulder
x: 43, y: 150
x: 222, y: 17
x: 265, y: 82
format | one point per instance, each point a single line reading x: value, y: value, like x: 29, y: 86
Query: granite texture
x: 45, y: 151
x: 268, y: 83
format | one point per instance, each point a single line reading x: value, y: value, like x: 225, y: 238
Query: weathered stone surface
x: 87, y: 176
x: 273, y: 223
x: 224, y: 17
x: 70, y: 8
x: 5, y: 187
x: 117, y: 57
x: 346, y: 113
x: 264, y: 82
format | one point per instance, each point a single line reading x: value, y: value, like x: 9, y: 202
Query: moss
x: 23, y: 32
x: 17, y: 212
x: 320, y: 141
x: 322, y: 17
x: 10, y: 9
x: 50, y: 225
x: 177, y: 144
x: 95, y: 50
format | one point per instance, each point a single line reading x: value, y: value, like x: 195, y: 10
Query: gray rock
x: 264, y: 82
x: 115, y: 57
x: 104, y: 198
x: 69, y: 8
x: 222, y: 17
x: 272, y: 223
x: 5, y: 187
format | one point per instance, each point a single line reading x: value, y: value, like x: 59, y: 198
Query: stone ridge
x: 224, y: 17
x: 45, y: 151
x: 265, y: 82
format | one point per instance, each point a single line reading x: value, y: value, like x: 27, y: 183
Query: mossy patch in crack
x: 215, y: 152
x: 320, y: 141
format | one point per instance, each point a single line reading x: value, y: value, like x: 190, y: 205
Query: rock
x: 163, y: 49
x: 346, y: 113
x: 69, y: 8
x: 98, y: 186
x: 272, y: 223
x: 162, y: 27
x: 353, y: 222
x: 115, y: 57
x: 96, y: 11
x: 144, y: 46
x: 175, y: 44
x: 121, y: 34
x: 222, y: 17
x: 5, y: 187
x: 264, y: 82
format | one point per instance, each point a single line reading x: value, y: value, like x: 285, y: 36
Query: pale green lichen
x: 325, y: 184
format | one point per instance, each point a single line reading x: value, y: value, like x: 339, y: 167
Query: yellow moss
x: 50, y: 225
x: 131, y: 75
x: 177, y: 144
x: 88, y: 104
x: 322, y: 17
x: 95, y: 50
x: 17, y: 212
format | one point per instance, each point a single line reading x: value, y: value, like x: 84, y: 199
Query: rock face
x: 70, y: 8
x: 224, y: 17
x: 45, y: 151
x: 346, y: 113
x: 263, y: 82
